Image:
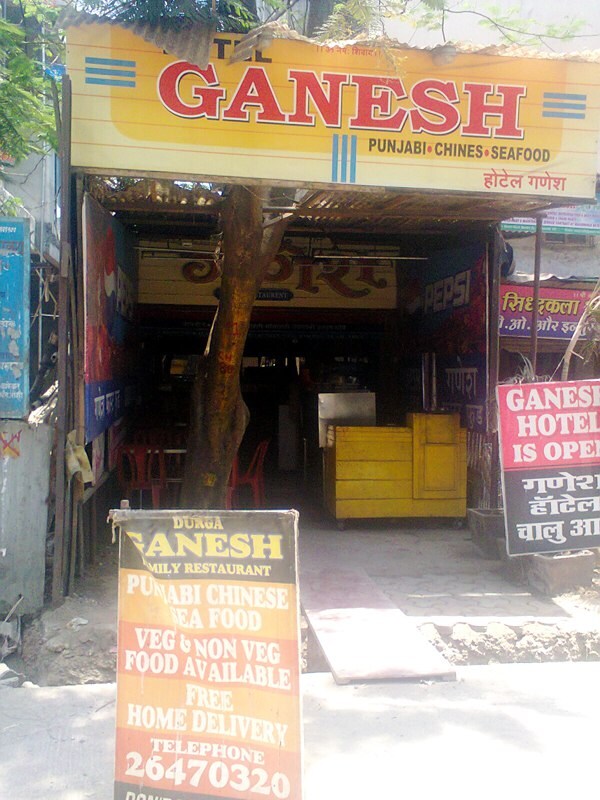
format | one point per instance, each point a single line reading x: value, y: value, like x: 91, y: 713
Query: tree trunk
x: 218, y: 414
x: 318, y: 13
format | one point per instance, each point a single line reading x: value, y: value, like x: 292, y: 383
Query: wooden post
x: 535, y: 312
x: 60, y: 487
x: 493, y: 359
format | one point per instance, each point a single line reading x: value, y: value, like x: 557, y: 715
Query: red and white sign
x: 549, y: 424
x: 550, y: 454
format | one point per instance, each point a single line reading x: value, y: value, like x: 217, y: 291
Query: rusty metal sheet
x: 382, y: 211
x: 186, y: 38
x: 24, y: 486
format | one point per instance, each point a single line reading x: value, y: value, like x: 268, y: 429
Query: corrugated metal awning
x: 370, y: 210
x: 185, y: 38
x: 191, y: 39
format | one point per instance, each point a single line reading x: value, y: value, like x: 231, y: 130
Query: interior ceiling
x: 158, y: 208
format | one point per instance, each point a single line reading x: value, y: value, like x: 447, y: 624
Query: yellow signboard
x: 291, y: 281
x: 208, y: 667
x: 306, y: 113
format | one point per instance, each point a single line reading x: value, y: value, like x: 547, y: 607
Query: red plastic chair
x: 142, y: 468
x: 253, y: 476
x: 160, y: 437
x: 168, y: 439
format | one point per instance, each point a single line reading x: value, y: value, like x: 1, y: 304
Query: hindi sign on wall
x: 208, y: 659
x: 291, y: 280
x: 550, y: 454
x: 304, y: 112
x: 14, y: 317
x: 559, y: 311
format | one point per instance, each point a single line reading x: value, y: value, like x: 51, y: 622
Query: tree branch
x: 504, y: 28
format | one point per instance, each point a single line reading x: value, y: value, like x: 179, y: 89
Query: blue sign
x: 14, y: 317
x: 462, y: 387
x: 55, y: 71
x: 579, y: 220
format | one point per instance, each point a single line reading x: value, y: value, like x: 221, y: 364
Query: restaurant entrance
x: 398, y: 323
x: 290, y: 358
x: 391, y: 198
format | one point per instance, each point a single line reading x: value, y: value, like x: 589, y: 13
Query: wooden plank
x: 490, y: 490
x: 369, y: 433
x: 382, y: 449
x: 366, y: 490
x: 62, y: 406
x: 439, y: 459
x: 398, y: 507
x: 374, y: 470
x: 363, y: 635
x: 440, y: 476
x: 90, y: 491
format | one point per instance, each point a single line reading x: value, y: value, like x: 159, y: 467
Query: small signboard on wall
x: 208, y: 700
x: 559, y: 312
x: 550, y: 455
x: 14, y: 317
x: 579, y: 220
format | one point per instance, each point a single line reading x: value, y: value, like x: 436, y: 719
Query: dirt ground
x: 76, y: 642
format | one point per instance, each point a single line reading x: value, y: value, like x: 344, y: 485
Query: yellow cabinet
x: 417, y: 471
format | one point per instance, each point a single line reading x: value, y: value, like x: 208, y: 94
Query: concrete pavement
x: 511, y: 730
x: 436, y: 574
x: 433, y: 574
x: 518, y: 730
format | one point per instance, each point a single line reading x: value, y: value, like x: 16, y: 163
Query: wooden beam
x: 60, y: 486
x: 494, y: 251
x: 535, y: 312
x: 133, y: 207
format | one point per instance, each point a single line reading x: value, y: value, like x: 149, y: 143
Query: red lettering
x: 335, y: 281
x: 254, y: 90
x: 306, y: 278
x: 200, y: 271
x: 366, y: 275
x: 423, y: 96
x: 169, y: 91
x: 284, y: 266
x: 373, y: 103
x: 480, y: 109
x: 493, y: 110
x: 329, y: 105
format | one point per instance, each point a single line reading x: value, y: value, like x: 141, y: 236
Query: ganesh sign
x: 304, y: 112
x: 550, y: 455
x: 208, y: 669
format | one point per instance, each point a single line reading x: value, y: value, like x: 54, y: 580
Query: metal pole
x: 536, y: 293
x: 63, y: 345
x: 493, y: 361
